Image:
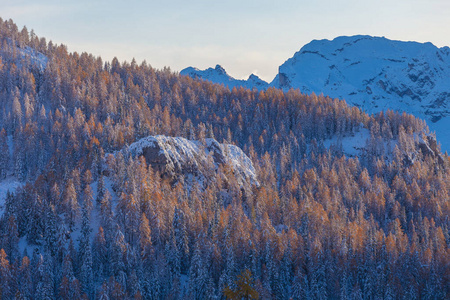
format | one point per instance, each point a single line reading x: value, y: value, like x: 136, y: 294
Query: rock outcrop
x: 429, y: 147
x: 175, y: 157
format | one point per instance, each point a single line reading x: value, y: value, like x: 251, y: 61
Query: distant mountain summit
x: 374, y: 74
x: 219, y: 75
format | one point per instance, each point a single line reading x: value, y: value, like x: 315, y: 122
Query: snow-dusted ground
x: 36, y: 58
x: 10, y: 183
x: 351, y: 145
x: 355, y: 145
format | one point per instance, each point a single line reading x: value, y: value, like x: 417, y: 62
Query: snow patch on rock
x: 175, y: 156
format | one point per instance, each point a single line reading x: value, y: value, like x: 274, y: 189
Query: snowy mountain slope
x: 376, y: 74
x: 219, y: 75
x: 36, y: 58
x: 27, y: 54
x: 175, y: 156
x: 351, y: 146
x: 373, y: 73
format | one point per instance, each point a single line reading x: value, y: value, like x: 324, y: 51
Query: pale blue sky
x: 243, y: 36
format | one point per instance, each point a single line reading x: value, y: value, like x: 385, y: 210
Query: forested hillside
x: 89, y: 222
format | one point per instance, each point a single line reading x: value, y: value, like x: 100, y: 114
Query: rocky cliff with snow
x: 174, y: 157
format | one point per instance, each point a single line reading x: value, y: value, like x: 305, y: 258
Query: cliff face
x: 176, y: 157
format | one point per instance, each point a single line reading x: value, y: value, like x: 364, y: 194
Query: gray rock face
x: 175, y: 156
x: 429, y: 147
x: 425, y: 147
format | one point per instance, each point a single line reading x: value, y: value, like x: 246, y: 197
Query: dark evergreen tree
x: 4, y: 154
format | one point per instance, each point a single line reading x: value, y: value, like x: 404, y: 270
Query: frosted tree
x: 17, y: 113
x: 100, y: 255
x: 44, y: 280
x: 181, y: 238
x: 51, y: 230
x: 198, y: 275
x: 70, y: 202
x: 118, y: 255
x: 5, y: 276
x: 145, y: 242
x: 85, y: 255
x: 88, y: 197
x: 19, y: 155
x: 100, y: 189
x: 26, y: 283
x: 11, y: 240
x: 244, y: 287
x: 4, y: 154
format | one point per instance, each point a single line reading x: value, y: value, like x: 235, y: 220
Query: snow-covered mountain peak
x: 219, y: 75
x: 220, y: 70
x: 324, y: 65
x: 254, y: 81
x: 365, y: 46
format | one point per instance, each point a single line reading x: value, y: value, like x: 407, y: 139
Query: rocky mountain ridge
x: 219, y: 75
